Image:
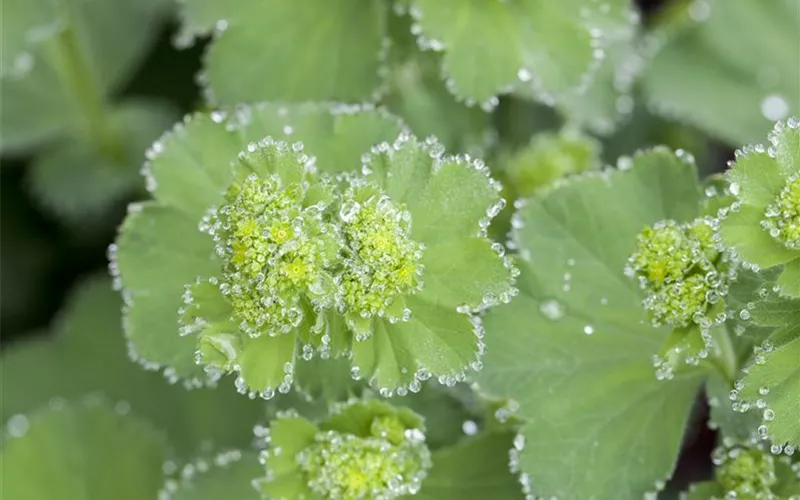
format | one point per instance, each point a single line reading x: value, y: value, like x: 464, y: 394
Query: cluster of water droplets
x: 783, y: 215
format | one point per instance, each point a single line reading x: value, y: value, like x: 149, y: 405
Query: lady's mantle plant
x: 365, y: 449
x: 383, y: 260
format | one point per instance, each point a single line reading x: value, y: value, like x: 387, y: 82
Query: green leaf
x: 742, y: 54
x: 492, y: 47
x: 190, y: 166
x: 476, y: 468
x: 330, y: 52
x: 789, y: 280
x: 77, y: 182
x: 418, y: 95
x: 159, y: 251
x: 757, y: 177
x: 705, y: 491
x: 89, y: 328
x: 742, y: 230
x: 265, y: 360
x: 437, y: 340
x: 291, y: 435
x: 774, y: 378
x: 69, y: 57
x: 231, y: 475
x: 81, y: 452
x: 574, y: 349
x: 730, y: 423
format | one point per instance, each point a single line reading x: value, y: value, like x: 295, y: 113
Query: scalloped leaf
x: 85, y: 452
x: 574, y: 349
x: 333, y: 51
x: 744, y: 53
x: 476, y: 468
x: 231, y: 475
x: 418, y: 94
x: 548, y: 48
x: 92, y: 46
x: 773, y: 378
x: 160, y: 250
x: 89, y: 329
x: 75, y: 181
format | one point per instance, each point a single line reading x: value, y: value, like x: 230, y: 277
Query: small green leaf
x: 291, y: 435
x: 741, y: 54
x: 265, y: 362
x: 574, y: 351
x: 76, y: 182
x: 789, y: 280
x: 81, y: 452
x: 330, y: 52
x: 476, y: 468
x: 493, y: 47
x: 742, y: 230
x: 231, y: 475
x: 89, y: 327
x: 705, y: 491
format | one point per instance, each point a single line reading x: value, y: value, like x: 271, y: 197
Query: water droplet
x: 552, y: 309
x: 469, y: 427
x: 18, y: 425
x: 588, y: 329
x: 774, y: 107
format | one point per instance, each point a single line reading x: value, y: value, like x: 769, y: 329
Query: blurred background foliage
x: 71, y: 159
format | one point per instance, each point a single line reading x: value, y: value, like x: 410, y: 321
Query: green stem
x: 76, y: 74
x: 723, y: 354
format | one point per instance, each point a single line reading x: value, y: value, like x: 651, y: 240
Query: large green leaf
x: 743, y: 62
x: 88, y: 355
x: 574, y: 350
x: 476, y: 468
x: 287, y: 51
x: 228, y: 475
x: 548, y: 48
x: 69, y: 55
x: 81, y: 452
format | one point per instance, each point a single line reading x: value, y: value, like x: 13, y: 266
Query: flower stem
x: 76, y: 73
x: 723, y: 354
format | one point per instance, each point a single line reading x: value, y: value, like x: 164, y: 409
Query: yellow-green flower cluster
x: 275, y: 250
x: 382, y: 264
x: 746, y: 473
x: 783, y: 216
x: 681, y: 269
x: 388, y: 464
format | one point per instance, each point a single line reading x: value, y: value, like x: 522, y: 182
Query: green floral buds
x: 745, y: 472
x: 382, y: 261
x: 366, y: 450
x: 783, y: 216
x: 276, y: 249
x: 682, y: 271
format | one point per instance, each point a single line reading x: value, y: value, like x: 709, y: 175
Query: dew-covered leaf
x: 476, y: 468
x: 773, y: 380
x: 160, y: 250
x: 574, y: 349
x: 285, y: 51
x: 730, y: 423
x: 705, y: 491
x: 66, y: 57
x: 744, y: 53
x: 492, y: 47
x: 417, y: 93
x: 81, y: 452
x: 228, y: 475
x: 291, y: 435
x: 88, y: 354
x: 437, y: 338
x: 76, y: 181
